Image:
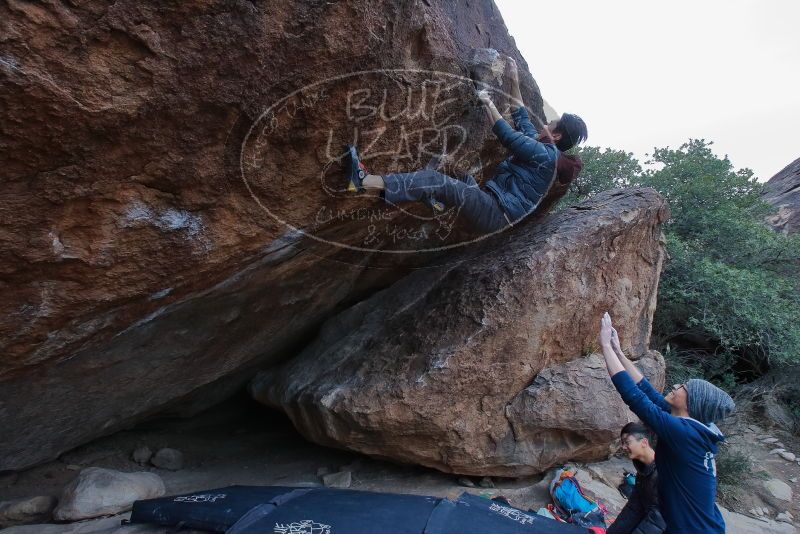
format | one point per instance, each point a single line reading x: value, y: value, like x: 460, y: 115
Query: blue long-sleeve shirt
x: 523, y: 179
x: 687, y: 472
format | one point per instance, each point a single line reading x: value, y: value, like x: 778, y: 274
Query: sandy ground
x: 745, y: 439
x: 236, y: 443
x: 242, y: 443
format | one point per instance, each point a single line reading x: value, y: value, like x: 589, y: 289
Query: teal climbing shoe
x: 356, y: 171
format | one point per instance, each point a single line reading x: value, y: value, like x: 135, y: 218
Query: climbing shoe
x: 356, y: 171
x: 434, y: 204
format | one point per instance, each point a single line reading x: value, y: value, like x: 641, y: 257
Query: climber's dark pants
x: 476, y: 205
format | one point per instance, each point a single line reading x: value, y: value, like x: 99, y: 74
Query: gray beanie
x: 707, y: 403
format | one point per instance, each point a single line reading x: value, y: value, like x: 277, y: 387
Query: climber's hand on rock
x: 483, y: 96
x: 606, y: 330
x: 513, y: 72
x: 615, y: 341
x: 491, y: 110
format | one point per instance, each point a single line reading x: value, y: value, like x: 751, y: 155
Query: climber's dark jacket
x: 522, y: 180
x: 641, y: 514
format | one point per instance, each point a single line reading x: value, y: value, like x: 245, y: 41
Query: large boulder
x: 783, y: 192
x: 483, y: 366
x: 167, y: 199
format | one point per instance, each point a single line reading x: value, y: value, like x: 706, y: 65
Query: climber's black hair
x: 637, y: 430
x: 572, y: 130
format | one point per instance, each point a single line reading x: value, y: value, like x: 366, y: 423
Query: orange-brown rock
x: 480, y: 366
x: 158, y: 163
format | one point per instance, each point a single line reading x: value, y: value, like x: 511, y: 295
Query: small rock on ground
x: 742, y: 524
x: 486, y: 482
x: 142, y: 455
x: 786, y: 517
x: 788, y: 456
x: 342, y: 479
x: 467, y: 483
x: 770, y: 440
x: 779, y: 489
x: 166, y: 458
x: 26, y: 511
x: 609, y: 496
x: 97, y: 491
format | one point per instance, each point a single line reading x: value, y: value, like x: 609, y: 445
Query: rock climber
x: 684, y: 423
x: 522, y: 180
x: 641, y: 514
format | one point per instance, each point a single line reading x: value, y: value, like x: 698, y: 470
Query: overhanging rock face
x: 151, y: 201
x: 480, y: 366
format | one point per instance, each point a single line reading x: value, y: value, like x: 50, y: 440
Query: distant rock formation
x: 783, y: 192
x: 169, y: 220
x: 483, y: 366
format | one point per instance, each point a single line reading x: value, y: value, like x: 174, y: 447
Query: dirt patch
x: 241, y: 443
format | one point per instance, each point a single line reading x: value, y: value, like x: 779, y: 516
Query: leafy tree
x: 728, y: 296
x: 602, y: 169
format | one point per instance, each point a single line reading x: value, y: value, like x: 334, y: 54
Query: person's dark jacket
x: 522, y: 180
x: 641, y: 514
x: 685, y: 456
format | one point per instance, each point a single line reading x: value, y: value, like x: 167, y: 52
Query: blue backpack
x: 572, y: 504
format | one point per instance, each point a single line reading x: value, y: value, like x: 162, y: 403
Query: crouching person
x: 641, y: 514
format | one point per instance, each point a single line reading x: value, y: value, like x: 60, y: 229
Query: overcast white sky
x: 647, y: 74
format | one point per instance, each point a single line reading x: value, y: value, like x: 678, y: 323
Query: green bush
x: 733, y: 466
x: 735, y: 476
x: 746, y: 312
x: 602, y: 169
x: 728, y: 295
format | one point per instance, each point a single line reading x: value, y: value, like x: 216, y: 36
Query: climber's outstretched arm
x: 613, y: 364
x: 524, y: 147
x: 516, y: 95
x: 488, y: 105
x: 518, y: 111
x: 636, y: 375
